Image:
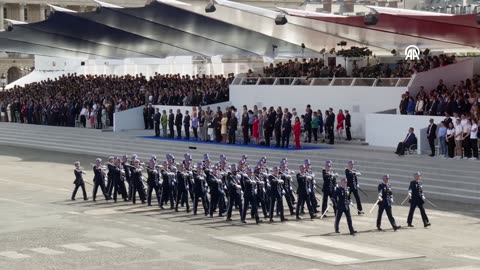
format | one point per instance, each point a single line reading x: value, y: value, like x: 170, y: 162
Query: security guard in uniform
x: 385, y: 201
x: 417, y: 199
x: 342, y: 197
x: 352, y: 183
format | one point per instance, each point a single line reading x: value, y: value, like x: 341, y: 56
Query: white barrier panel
x: 133, y: 118
x: 358, y: 100
x: 387, y: 130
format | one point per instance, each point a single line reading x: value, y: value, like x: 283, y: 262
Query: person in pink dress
x: 255, y: 131
x: 340, y: 124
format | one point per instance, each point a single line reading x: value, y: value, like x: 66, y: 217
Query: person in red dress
x: 297, y: 130
x: 255, y: 131
x: 340, y: 123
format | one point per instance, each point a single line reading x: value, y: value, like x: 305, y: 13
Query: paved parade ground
x: 41, y: 228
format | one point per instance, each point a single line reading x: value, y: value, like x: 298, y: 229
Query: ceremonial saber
x: 371, y: 210
x: 326, y: 210
x: 405, y: 200
x: 87, y: 182
x: 364, y: 193
x: 430, y: 203
x: 351, y: 203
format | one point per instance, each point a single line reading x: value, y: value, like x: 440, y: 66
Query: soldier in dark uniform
x: 276, y: 194
x: 157, y: 117
x: 137, y: 182
x: 353, y: 185
x: 154, y: 183
x: 200, y: 189
x: 342, y: 197
x: 127, y: 169
x: 287, y: 187
x: 329, y: 185
x: 302, y: 193
x: 178, y: 123
x: 111, y: 168
x: 385, y: 201
x: 250, y: 196
x: 215, y: 184
x: 312, y: 183
x: 118, y: 180
x: 417, y: 199
x: 235, y: 193
x: 78, y: 171
x: 99, y: 179
x: 261, y: 190
x: 182, y: 188
x: 166, y: 192
x: 171, y: 123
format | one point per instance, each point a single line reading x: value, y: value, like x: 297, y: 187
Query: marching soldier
x: 216, y: 186
x: 111, y: 168
x: 250, y: 196
x: 118, y: 178
x: 137, y: 182
x: 166, y: 193
x: 126, y: 168
x: 417, y: 199
x: 342, y: 197
x: 312, y: 183
x: 328, y: 189
x: 352, y: 183
x: 385, y: 201
x: 182, y: 188
x: 261, y: 190
x: 78, y: 171
x: 302, y: 193
x: 276, y: 194
x: 99, y: 179
x: 287, y: 186
x: 200, y: 189
x: 154, y: 184
x: 235, y: 193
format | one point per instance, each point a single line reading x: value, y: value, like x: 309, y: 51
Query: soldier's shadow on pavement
x: 342, y: 234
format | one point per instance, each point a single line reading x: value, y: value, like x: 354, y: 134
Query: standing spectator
x: 203, y: 126
x: 186, y: 125
x: 330, y: 123
x: 244, y: 125
x: 442, y: 139
x: 255, y: 132
x: 83, y: 116
x: 92, y: 118
x: 261, y: 119
x: 404, y: 104
x: 420, y: 106
x: 232, y: 128
x: 286, y: 130
x: 320, y: 124
x: 145, y: 117
x: 411, y: 106
x: 307, y: 120
x: 195, y: 124
x: 315, y: 127
x: 250, y: 121
x: 450, y: 140
x: 340, y: 124
x: 164, y: 121
x: 171, y: 123
x: 431, y: 136
x: 178, y: 123
x: 458, y: 139
x: 297, y: 130
x: 223, y: 130
x: 278, y: 130
x: 157, y: 118
x: 98, y: 116
x: 104, y: 116
x: 217, y: 126
x: 474, y: 139
x: 151, y: 112
x: 466, y: 139
x: 348, y: 125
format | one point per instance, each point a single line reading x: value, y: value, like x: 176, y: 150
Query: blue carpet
x: 304, y: 147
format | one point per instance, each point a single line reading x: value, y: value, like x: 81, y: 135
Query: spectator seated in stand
x: 408, y: 144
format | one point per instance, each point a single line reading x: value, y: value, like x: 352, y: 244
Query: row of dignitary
x: 221, y: 188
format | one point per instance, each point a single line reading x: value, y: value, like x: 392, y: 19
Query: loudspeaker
x: 210, y: 8
x: 370, y: 19
x: 82, y: 63
x: 280, y: 20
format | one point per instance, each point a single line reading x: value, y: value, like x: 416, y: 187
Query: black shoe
x: 271, y: 221
x: 188, y: 210
x: 360, y: 212
x: 299, y: 218
x: 85, y: 199
x: 176, y: 210
x: 432, y: 155
x: 244, y: 222
x: 228, y: 219
x: 427, y: 224
x: 313, y: 216
x: 149, y: 204
x: 220, y: 215
x: 284, y: 219
x: 353, y: 233
x: 337, y: 231
x: 258, y: 221
x: 161, y: 207
x: 396, y: 228
x: 379, y: 229
x: 73, y: 199
x: 410, y: 225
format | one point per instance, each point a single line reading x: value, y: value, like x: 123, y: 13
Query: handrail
x: 328, y: 81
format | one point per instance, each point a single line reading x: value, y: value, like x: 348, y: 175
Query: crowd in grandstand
x: 94, y: 98
x: 256, y: 125
x: 315, y: 67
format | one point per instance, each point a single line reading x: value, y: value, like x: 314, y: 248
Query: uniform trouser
x: 82, y: 185
x: 474, y: 147
x: 187, y: 132
x: 327, y: 195
x: 109, y: 187
x: 388, y: 209
x: 313, y: 200
x: 158, y: 193
x: 261, y: 201
x: 357, y: 198
x: 138, y: 187
x: 235, y: 199
x: 213, y: 202
x: 167, y: 196
x: 338, y: 216
x: 276, y: 198
x: 315, y: 134
x: 290, y: 202
x: 222, y: 207
x: 182, y: 194
x: 349, y: 134
x: 414, y: 205
x: 179, y: 131
x: 129, y: 190
x: 202, y: 196
x: 157, y: 129
x: 102, y: 187
x: 119, y: 188
x: 171, y: 131
x: 301, y: 199
x: 250, y: 200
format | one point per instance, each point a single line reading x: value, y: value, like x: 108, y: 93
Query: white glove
x: 291, y: 188
x: 358, y: 186
x: 423, y: 197
x: 392, y: 201
x: 410, y: 195
x: 309, y: 190
x: 314, y: 182
x: 380, y: 198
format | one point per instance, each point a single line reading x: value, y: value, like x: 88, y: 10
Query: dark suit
x: 244, y: 124
x: 178, y: 124
x: 348, y: 125
x: 432, y: 135
x: 171, y: 122
x: 186, y: 125
x: 156, y: 118
x: 287, y: 129
x: 278, y: 132
x: 330, y: 127
x: 410, y: 139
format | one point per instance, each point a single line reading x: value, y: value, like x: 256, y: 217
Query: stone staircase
x: 445, y: 179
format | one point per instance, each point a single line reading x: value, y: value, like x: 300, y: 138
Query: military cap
x: 98, y: 160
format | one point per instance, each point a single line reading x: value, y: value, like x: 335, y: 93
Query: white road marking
x: 46, y: 251
x: 466, y: 267
x: 296, y: 250
x: 139, y: 241
x: 298, y: 225
x: 167, y: 238
x: 109, y: 244
x: 13, y: 255
x: 147, y: 228
x: 468, y: 257
x: 74, y: 213
x: 77, y: 247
